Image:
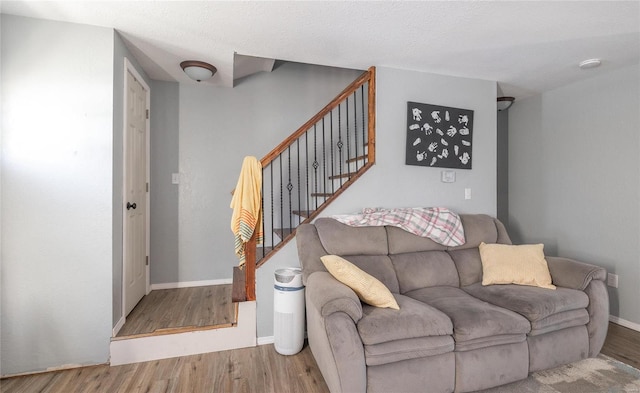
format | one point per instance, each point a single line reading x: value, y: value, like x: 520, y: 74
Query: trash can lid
x: 289, y: 275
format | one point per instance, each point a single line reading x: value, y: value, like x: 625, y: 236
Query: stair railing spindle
x: 289, y: 188
x: 340, y: 141
x: 348, y: 137
x: 331, y: 151
x: 299, y: 184
x: 281, y: 195
x: 364, y: 134
x: 355, y: 127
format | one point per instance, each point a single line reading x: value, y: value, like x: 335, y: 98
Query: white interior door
x: 135, y: 194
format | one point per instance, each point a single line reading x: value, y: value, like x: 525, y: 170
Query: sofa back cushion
x: 379, y: 266
x: 401, y: 241
x: 340, y: 239
x: 478, y: 228
x: 417, y: 270
x: 468, y: 264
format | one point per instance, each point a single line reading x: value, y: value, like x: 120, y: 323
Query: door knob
x: 131, y: 205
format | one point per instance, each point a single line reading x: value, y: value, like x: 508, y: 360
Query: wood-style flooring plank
x: 173, y: 308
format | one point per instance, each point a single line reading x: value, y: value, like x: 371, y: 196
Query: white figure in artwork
x: 417, y: 114
x: 414, y: 127
x: 446, y: 116
x: 432, y: 147
x: 418, y: 140
x: 451, y: 131
x: 464, y: 131
x: 433, y: 160
x: 421, y: 156
x: 444, y: 142
x: 435, y: 115
x: 464, y: 158
x: 463, y: 119
x: 439, y: 131
x: 456, y: 149
x: 444, y: 154
x: 466, y: 143
x: 426, y: 127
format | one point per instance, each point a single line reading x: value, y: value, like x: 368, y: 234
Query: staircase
x: 309, y: 169
x: 301, y: 176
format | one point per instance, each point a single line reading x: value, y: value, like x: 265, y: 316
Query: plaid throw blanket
x: 437, y: 223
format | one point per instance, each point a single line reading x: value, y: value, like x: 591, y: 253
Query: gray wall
x: 574, y: 176
x: 57, y: 121
x: 218, y: 128
x: 164, y: 195
x: 391, y: 183
x: 120, y: 51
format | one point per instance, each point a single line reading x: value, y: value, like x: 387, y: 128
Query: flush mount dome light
x: 198, y: 70
x: 590, y: 63
x: 505, y: 103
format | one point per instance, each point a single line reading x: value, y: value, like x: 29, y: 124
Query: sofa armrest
x: 328, y: 295
x: 573, y: 274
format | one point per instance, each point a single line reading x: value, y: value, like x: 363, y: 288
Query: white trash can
x: 288, y: 307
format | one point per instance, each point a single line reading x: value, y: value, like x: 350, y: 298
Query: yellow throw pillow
x: 522, y: 265
x: 368, y: 288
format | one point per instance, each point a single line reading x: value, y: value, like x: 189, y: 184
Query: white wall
x: 391, y: 183
x: 57, y: 125
x: 218, y: 128
x: 574, y: 176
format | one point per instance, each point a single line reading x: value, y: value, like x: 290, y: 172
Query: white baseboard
x: 189, y: 284
x: 119, y: 324
x: 625, y: 323
x: 266, y: 340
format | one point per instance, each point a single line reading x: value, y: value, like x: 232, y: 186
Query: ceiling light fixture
x: 198, y: 70
x: 505, y: 103
x: 590, y: 63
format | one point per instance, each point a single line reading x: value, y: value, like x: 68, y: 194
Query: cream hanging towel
x: 246, y: 205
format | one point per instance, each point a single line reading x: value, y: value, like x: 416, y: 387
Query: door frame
x: 129, y: 68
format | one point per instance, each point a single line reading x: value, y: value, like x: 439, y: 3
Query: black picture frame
x: 439, y: 136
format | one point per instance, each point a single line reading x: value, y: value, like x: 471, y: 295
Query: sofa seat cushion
x: 559, y: 321
x: 534, y: 303
x: 414, y: 319
x: 410, y: 348
x: 472, y: 318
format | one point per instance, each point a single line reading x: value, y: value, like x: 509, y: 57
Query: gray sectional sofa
x: 451, y: 332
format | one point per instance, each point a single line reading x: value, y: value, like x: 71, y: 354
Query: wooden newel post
x: 250, y: 267
x: 371, y: 112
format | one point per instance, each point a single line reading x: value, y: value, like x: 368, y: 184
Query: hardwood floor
x: 258, y: 369
x: 623, y: 344
x: 181, y: 307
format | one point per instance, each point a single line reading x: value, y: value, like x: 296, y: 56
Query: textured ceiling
x: 528, y: 47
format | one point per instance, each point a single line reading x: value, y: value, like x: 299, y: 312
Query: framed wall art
x: 439, y: 136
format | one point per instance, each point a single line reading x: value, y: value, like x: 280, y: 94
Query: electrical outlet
x: 612, y: 280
